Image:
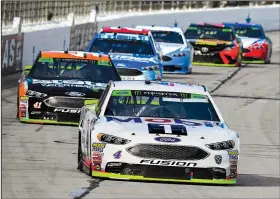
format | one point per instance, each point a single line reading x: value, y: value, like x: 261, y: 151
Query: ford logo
x: 167, y: 139
x: 75, y: 94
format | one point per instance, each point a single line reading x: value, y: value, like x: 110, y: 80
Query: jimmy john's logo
x: 168, y: 163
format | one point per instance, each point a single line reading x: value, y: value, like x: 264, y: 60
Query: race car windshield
x: 86, y: 70
x: 141, y: 103
x: 167, y: 37
x: 122, y: 46
x: 209, y: 32
x: 250, y: 32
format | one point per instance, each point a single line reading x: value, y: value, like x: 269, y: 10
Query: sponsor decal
x: 23, y: 102
x: 35, y: 94
x: 204, y: 49
x: 75, y: 94
x: 159, y: 120
x: 121, y: 65
x: 117, y: 155
x: 233, y: 162
x: 121, y: 93
x: 46, y: 60
x: 168, y: 163
x: 103, y: 63
x: 35, y: 112
x: 98, y: 147
x: 128, y: 78
x: 22, y: 107
x: 70, y: 83
x: 24, y: 98
x: 233, y: 157
x: 97, y: 167
x: 218, y: 159
x: 66, y: 110
x: 131, y: 58
x: 167, y: 139
x: 234, y: 152
x: 97, y: 157
x: 49, y: 117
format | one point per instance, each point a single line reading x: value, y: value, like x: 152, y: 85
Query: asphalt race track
x: 40, y: 161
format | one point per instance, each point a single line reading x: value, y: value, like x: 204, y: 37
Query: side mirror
x: 27, y: 69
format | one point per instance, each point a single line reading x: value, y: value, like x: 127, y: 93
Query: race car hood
x: 144, y: 128
x: 70, y: 88
x: 171, y: 48
x: 210, y: 42
x: 133, y: 61
x: 250, y: 41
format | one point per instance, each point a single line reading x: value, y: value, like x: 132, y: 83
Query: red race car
x: 257, y: 47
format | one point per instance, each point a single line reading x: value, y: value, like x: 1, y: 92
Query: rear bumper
x: 101, y: 174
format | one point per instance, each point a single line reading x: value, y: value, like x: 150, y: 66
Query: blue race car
x: 177, y: 52
x: 132, y: 51
x: 257, y: 47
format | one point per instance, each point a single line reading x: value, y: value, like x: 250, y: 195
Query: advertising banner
x: 11, y: 53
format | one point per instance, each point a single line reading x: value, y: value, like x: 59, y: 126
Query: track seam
x: 227, y: 79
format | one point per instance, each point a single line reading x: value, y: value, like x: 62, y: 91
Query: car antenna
x: 85, y: 55
x: 66, y: 51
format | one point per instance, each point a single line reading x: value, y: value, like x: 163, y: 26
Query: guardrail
x: 36, y: 11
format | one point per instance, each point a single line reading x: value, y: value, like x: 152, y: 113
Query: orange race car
x: 59, y: 83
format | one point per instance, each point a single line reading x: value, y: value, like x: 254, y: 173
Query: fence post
x: 140, y: 6
x: 17, y: 25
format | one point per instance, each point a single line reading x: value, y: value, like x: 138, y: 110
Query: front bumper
x: 227, y: 58
x: 254, y: 56
x: 39, y: 121
x: 177, y: 65
x: 102, y: 174
x: 213, y: 64
x: 164, y: 163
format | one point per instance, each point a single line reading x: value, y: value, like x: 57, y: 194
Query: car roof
x: 209, y: 24
x: 159, y: 86
x: 75, y: 55
x: 161, y: 28
x: 127, y: 30
x: 243, y: 25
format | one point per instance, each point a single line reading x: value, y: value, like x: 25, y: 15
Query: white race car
x: 161, y: 131
x: 177, y: 52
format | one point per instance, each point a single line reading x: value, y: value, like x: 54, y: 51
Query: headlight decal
x: 110, y: 139
x: 226, y: 145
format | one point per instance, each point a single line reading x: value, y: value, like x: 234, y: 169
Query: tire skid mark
x: 83, y: 191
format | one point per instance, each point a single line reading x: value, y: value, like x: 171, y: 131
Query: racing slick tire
x: 268, y: 58
x: 80, y: 162
x: 239, y: 59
